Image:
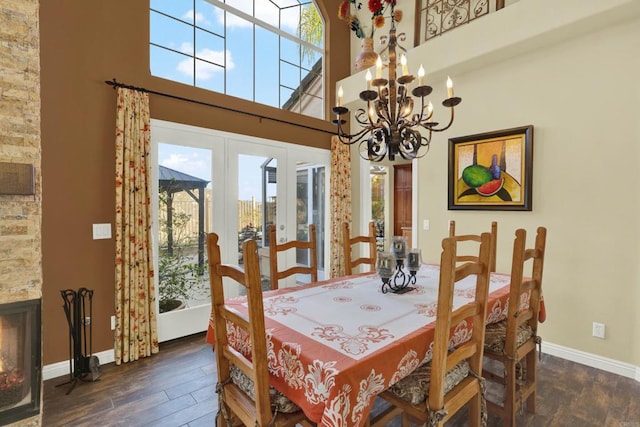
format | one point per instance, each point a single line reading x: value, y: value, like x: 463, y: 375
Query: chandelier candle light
x: 389, y: 126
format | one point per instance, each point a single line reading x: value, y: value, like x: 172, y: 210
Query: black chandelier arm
x: 423, y: 122
x: 405, y: 107
x: 382, y: 110
x: 377, y: 145
x: 453, y: 102
x: 402, y: 37
x: 367, y: 152
x: 419, y: 119
x: 363, y: 118
x: 351, y: 139
x: 412, y: 143
x: 426, y: 144
x: 345, y: 137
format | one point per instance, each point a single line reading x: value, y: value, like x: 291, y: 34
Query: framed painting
x: 491, y: 171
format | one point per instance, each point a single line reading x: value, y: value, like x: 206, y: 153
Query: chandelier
x: 389, y: 125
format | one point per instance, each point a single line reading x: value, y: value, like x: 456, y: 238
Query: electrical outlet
x: 598, y: 330
x: 87, y: 320
x: 113, y: 323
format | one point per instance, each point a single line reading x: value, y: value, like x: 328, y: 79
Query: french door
x: 249, y: 183
x: 291, y: 196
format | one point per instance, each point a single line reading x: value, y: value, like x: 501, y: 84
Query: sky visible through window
x: 197, y: 162
x: 227, y: 53
x: 245, y: 61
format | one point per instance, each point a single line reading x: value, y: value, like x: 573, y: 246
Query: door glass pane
x: 310, y: 194
x: 378, y: 176
x: 184, y: 187
x: 269, y: 184
x: 302, y: 214
x: 256, y: 203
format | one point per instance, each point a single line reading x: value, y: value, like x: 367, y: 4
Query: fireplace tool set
x: 83, y: 365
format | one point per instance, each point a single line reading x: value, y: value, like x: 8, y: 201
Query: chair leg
x: 475, y: 411
x: 406, y: 421
x: 384, y: 417
x: 531, y: 362
x: 510, y: 390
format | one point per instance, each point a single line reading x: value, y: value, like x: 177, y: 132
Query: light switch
x: 425, y: 224
x: 101, y: 231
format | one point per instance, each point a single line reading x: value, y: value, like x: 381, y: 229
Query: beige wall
x: 576, y: 80
x: 581, y: 96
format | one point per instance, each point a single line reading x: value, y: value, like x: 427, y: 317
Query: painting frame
x: 492, y: 170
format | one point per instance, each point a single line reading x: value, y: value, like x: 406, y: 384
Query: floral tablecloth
x: 333, y: 346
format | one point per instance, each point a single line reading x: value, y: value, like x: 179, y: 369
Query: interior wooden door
x: 401, y: 198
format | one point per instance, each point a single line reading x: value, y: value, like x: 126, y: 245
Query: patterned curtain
x: 340, y: 201
x: 136, y: 328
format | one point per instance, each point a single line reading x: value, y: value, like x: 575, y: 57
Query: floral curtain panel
x: 340, y: 201
x: 136, y: 326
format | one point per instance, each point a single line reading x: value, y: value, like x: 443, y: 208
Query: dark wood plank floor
x: 177, y: 388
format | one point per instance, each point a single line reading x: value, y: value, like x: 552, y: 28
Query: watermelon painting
x: 484, y: 181
x: 491, y: 187
x: 491, y: 171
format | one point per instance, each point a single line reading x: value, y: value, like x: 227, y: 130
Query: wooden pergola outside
x: 172, y: 182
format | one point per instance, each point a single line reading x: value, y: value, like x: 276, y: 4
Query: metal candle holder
x: 397, y: 281
x: 400, y: 281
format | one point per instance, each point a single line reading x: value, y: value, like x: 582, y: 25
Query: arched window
x: 266, y: 51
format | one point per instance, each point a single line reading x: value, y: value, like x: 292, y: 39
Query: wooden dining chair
x: 474, y: 237
x: 348, y: 242
x: 435, y: 391
x: 244, y: 394
x: 278, y: 272
x: 512, y: 342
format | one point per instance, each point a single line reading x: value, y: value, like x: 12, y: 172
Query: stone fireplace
x: 20, y: 216
x: 19, y: 360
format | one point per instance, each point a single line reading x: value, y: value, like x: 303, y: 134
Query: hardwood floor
x: 177, y: 388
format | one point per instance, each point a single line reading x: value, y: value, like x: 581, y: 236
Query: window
x: 266, y: 51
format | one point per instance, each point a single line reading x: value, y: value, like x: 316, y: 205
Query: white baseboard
x: 599, y: 362
x: 60, y: 369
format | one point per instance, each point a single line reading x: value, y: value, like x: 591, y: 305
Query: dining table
x: 334, y: 345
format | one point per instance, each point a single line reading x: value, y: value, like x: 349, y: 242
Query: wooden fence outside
x: 249, y: 213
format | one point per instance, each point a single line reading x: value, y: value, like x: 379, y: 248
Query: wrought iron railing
x: 436, y: 17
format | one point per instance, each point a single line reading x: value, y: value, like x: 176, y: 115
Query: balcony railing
x: 436, y: 17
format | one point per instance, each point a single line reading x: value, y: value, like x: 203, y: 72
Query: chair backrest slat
x: 278, y: 272
x: 347, y: 247
x: 471, y: 237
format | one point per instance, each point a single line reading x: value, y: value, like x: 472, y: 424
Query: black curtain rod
x: 117, y: 84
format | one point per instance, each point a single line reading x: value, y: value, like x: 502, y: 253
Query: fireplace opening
x: 20, y: 363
